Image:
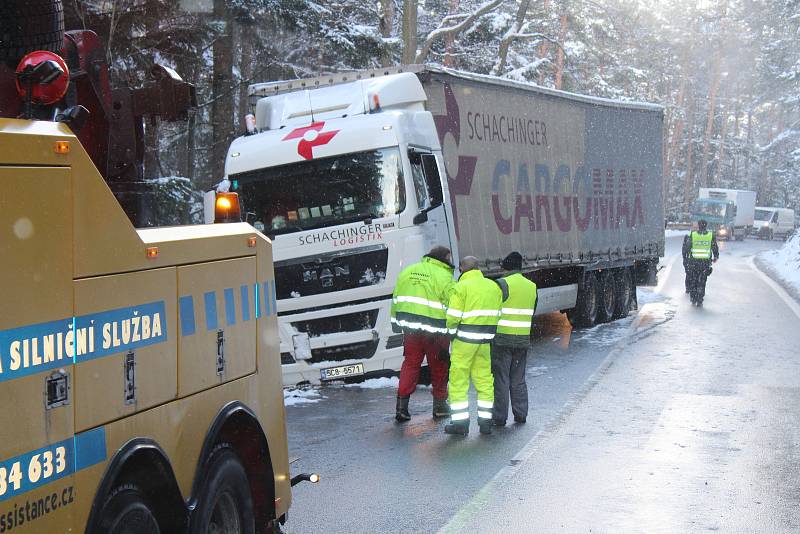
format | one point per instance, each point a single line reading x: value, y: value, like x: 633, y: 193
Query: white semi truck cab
x: 347, y: 182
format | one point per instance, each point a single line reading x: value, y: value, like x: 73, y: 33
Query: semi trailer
x: 354, y: 176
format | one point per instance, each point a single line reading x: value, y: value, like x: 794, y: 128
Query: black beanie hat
x: 512, y: 262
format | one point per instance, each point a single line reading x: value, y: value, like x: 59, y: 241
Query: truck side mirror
x: 421, y: 217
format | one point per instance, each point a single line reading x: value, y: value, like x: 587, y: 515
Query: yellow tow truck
x: 140, y: 379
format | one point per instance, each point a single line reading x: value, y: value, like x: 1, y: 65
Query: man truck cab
x: 773, y: 222
x: 347, y: 182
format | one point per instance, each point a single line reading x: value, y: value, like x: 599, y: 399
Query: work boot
x: 460, y: 429
x: 498, y: 422
x: 440, y: 408
x: 485, y: 426
x: 401, y: 410
x: 520, y: 420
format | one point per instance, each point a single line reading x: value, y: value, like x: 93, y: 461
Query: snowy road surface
x: 672, y: 420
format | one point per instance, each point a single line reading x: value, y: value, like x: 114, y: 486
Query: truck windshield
x: 713, y: 209
x: 322, y: 192
x: 763, y: 215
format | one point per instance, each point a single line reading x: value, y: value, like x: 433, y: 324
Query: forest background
x: 727, y: 71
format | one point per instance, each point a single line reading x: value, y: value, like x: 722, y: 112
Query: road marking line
x: 787, y: 299
x: 458, y: 522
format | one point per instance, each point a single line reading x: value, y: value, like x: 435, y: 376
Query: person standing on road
x: 472, y: 315
x: 510, y: 344
x: 418, y: 310
x: 702, y: 250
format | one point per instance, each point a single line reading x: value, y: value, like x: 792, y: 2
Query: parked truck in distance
x: 729, y: 212
x: 771, y: 222
x: 355, y: 176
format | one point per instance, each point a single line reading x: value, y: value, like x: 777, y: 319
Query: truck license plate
x: 343, y: 371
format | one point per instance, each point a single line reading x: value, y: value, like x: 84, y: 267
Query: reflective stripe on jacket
x: 474, y: 308
x: 701, y: 245
x: 516, y: 314
x: 420, y: 297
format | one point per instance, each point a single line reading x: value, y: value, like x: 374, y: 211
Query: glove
x: 444, y: 355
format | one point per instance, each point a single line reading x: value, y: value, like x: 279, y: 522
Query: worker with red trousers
x: 419, y: 311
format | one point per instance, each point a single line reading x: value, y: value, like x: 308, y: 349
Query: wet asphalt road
x: 672, y: 420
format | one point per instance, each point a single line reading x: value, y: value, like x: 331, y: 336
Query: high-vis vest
x: 701, y: 245
x: 474, y: 308
x: 517, y: 311
x: 420, y: 297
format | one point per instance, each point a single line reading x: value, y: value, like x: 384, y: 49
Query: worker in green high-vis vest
x: 700, y: 250
x: 511, y: 342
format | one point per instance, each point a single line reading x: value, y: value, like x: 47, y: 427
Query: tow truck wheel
x: 608, y: 296
x: 225, y: 505
x: 127, y: 512
x: 28, y: 25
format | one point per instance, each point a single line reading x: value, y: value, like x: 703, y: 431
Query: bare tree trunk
x: 721, y: 150
x: 562, y: 34
x: 222, y: 91
x: 712, y: 102
x: 688, y: 190
x: 677, y: 127
x: 748, y: 143
x: 386, y: 27
x: 545, y: 46
x: 245, y: 68
x: 409, y: 31
x: 505, y: 43
x: 449, y: 61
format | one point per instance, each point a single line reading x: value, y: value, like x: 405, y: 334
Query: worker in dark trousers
x: 510, y: 344
x: 701, y: 250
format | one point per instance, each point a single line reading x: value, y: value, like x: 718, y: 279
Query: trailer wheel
x: 584, y: 314
x: 127, y: 512
x: 224, y: 505
x: 28, y: 25
x: 625, y: 289
x: 607, y: 292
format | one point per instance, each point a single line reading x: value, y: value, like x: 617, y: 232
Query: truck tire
x: 771, y: 235
x: 28, y: 25
x: 127, y: 511
x: 584, y: 314
x: 224, y: 503
x: 625, y: 290
x: 607, y: 291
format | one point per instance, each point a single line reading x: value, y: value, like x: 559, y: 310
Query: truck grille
x: 350, y: 322
x: 353, y: 351
x: 327, y: 273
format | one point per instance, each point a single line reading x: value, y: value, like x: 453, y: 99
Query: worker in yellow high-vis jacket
x: 510, y: 345
x: 472, y: 315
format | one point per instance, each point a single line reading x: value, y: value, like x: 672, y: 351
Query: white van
x: 773, y: 222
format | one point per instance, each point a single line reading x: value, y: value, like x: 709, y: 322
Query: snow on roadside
x: 377, y: 383
x: 785, y: 262
x: 293, y: 397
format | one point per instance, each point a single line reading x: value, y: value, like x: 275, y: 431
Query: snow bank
x: 377, y: 383
x: 785, y: 262
x: 292, y: 397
